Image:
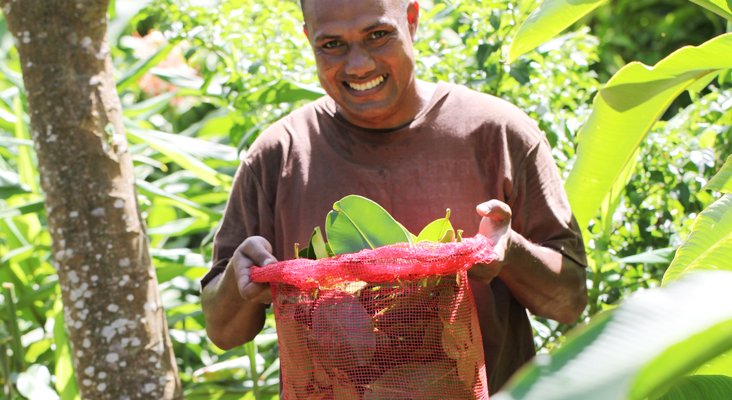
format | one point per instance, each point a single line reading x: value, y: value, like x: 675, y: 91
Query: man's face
x: 363, y: 50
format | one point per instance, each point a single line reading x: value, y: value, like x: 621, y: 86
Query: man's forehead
x: 332, y: 10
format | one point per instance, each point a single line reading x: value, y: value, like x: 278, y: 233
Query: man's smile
x: 360, y: 87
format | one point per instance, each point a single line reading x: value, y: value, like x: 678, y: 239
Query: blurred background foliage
x: 199, y: 80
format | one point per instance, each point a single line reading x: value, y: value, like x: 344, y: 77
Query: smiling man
x: 416, y: 148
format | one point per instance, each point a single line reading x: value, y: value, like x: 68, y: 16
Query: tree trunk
x: 114, y: 318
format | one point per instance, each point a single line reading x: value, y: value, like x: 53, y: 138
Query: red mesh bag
x: 396, y: 322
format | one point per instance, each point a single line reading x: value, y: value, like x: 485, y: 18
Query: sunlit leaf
x: 709, y: 246
x: 34, y: 383
x: 283, y: 91
x: 184, y: 204
x: 357, y: 223
x: 64, y: 366
x: 723, y: 8
x: 625, y: 109
x: 548, y: 20
x: 700, y: 387
x: 722, y: 181
x: 27, y: 208
x: 183, y: 158
x: 603, y: 360
x: 436, y: 230
x: 681, y: 358
x: 148, y: 107
x: 143, y: 66
x: 26, y: 164
x: 10, y: 185
x: 656, y: 256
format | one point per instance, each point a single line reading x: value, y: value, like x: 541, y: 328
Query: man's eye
x: 332, y: 44
x: 378, y: 34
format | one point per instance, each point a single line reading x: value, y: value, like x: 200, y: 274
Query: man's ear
x: 413, y: 17
x: 305, y: 31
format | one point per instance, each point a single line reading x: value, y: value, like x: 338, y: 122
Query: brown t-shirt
x: 464, y: 148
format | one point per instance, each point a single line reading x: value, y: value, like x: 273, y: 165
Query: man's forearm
x: 544, y: 281
x: 230, y: 320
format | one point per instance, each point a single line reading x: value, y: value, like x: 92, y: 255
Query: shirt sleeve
x: 541, y: 211
x: 247, y: 213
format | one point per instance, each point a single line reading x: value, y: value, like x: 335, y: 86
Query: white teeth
x: 368, y: 85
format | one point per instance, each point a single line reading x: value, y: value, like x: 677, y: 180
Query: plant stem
x: 251, y: 349
x: 5, y: 363
x: 16, y: 345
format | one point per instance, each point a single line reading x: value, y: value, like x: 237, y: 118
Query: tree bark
x: 112, y: 309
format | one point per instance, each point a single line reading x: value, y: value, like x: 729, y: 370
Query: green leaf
x: 656, y: 256
x: 10, y: 185
x: 182, y: 157
x: 143, y: 66
x: 148, y: 107
x: 609, y: 356
x: 436, y: 230
x: 680, y: 358
x: 283, y: 91
x: 548, y: 20
x: 317, y: 244
x: 709, y: 246
x: 723, y: 8
x: 700, y: 387
x: 722, y: 181
x: 64, y: 366
x: 357, y: 223
x: 27, y: 208
x: 183, y: 203
x: 625, y: 109
x: 7, y: 120
x: 26, y: 166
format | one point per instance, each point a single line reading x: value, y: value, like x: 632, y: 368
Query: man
x: 416, y: 148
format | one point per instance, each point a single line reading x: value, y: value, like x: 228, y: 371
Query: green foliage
x: 628, y: 106
x: 200, y: 80
x: 358, y: 223
x: 550, y: 18
x: 638, y: 349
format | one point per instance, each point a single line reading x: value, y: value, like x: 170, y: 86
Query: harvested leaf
x: 357, y: 223
x: 344, y: 330
x: 437, y: 230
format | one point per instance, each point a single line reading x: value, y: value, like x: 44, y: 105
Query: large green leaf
x: 548, y: 20
x: 709, y: 245
x: 722, y: 8
x: 181, y: 157
x: 357, y: 223
x: 700, y: 387
x: 722, y: 182
x: 664, y: 370
x: 604, y: 359
x: 625, y: 109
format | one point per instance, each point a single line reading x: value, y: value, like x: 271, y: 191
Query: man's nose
x: 359, y: 61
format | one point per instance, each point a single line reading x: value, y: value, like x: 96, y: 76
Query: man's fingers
x: 257, y: 249
x: 256, y: 292
x: 495, y: 210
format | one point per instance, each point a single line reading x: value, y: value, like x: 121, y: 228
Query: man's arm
x: 233, y: 305
x: 545, y: 281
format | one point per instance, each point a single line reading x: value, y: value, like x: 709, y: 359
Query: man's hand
x: 253, y: 252
x: 496, y: 226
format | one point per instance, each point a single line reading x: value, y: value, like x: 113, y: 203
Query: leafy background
x: 199, y: 80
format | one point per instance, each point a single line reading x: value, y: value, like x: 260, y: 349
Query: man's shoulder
x: 279, y: 136
x: 488, y: 110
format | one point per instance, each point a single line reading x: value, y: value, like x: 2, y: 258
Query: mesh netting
x: 397, y: 322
